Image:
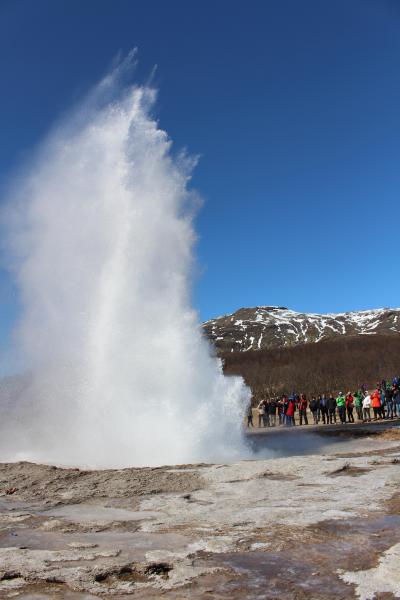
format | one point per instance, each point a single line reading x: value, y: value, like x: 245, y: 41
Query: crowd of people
x: 381, y: 403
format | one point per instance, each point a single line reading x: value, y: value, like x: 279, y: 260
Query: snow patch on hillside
x: 274, y: 326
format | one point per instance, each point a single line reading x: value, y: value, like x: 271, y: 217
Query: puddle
x: 300, y: 442
x: 136, y: 544
x: 306, y: 566
x: 271, y: 576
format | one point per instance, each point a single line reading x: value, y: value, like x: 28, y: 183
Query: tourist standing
x: 285, y: 407
x: 319, y: 408
x: 250, y: 416
x: 367, y: 407
x: 272, y: 412
x: 281, y: 411
x: 323, y: 402
x: 290, y: 412
x: 396, y: 400
x: 331, y: 403
x: 376, y: 404
x: 389, y: 401
x: 350, y: 407
x: 266, y: 412
x: 296, y: 404
x: 358, y: 400
x: 261, y: 413
x: 303, y: 409
x: 383, y: 402
x: 341, y: 406
x: 314, y: 409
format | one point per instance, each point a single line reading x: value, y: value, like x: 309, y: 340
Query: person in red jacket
x: 290, y: 412
x: 350, y: 407
x: 376, y: 404
x: 303, y: 409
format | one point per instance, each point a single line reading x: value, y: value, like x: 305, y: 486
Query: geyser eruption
x: 101, y: 243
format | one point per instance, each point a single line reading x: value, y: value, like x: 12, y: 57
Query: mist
x: 99, y: 241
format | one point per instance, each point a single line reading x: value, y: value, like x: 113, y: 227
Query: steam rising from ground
x: 101, y: 242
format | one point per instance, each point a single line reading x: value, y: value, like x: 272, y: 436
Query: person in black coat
x: 273, y: 405
x: 323, y: 404
x: 331, y: 409
x: 314, y: 409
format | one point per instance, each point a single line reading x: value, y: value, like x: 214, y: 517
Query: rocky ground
x: 319, y: 526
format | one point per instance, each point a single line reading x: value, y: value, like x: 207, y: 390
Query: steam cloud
x: 100, y: 238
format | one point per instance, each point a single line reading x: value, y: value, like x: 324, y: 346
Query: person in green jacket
x: 358, y: 400
x: 341, y: 406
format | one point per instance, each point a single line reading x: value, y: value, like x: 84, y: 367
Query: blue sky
x: 293, y: 107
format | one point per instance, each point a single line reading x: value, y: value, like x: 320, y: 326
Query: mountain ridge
x: 269, y: 327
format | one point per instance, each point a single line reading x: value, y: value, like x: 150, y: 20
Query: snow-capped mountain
x: 275, y: 327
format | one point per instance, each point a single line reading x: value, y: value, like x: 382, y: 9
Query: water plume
x: 100, y: 242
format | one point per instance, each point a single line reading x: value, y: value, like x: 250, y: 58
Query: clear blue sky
x: 293, y: 106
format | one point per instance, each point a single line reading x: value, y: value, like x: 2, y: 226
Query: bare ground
x: 316, y: 526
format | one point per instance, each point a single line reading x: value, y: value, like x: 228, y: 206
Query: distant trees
x: 340, y: 364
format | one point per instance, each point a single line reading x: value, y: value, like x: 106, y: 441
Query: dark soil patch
x: 277, y: 476
x: 41, y: 482
x: 348, y: 470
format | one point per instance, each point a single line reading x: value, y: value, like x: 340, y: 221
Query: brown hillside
x: 340, y: 364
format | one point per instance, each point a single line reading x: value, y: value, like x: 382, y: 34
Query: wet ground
x: 285, y: 441
x: 320, y: 521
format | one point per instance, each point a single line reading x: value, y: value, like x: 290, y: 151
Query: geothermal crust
x: 318, y: 526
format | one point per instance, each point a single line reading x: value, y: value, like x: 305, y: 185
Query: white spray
x: 101, y: 242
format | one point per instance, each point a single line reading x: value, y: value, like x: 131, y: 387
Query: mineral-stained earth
x: 318, y: 526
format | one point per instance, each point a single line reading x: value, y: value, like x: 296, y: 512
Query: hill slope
x: 266, y: 327
x: 339, y: 364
